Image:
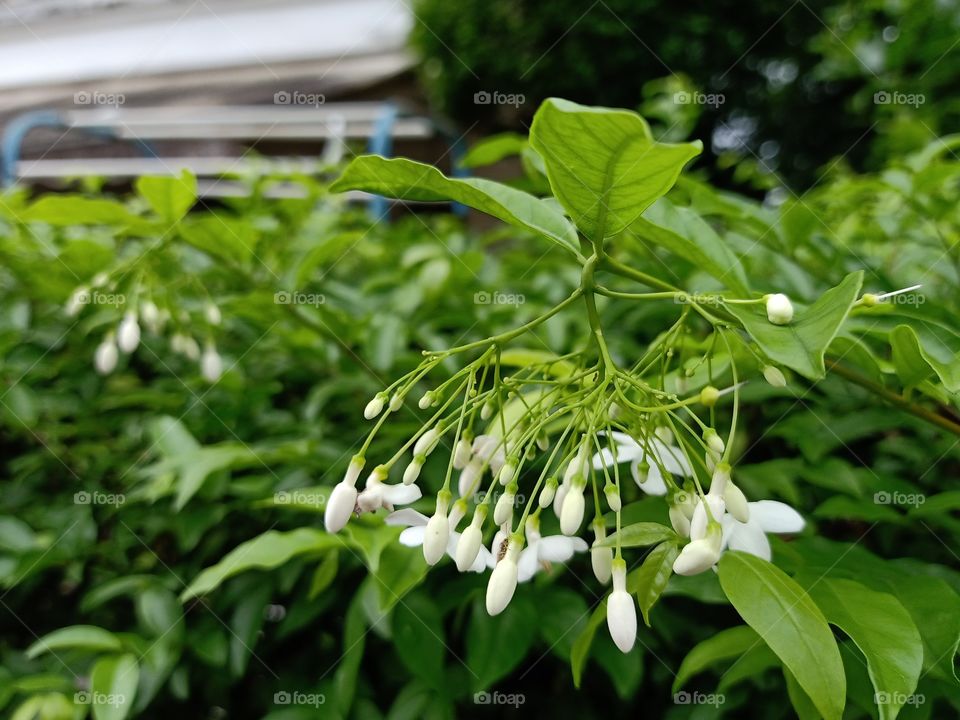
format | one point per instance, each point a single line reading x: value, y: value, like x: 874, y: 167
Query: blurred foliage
x: 795, y: 86
x: 164, y: 533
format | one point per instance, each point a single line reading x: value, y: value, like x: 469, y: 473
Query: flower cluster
x: 125, y: 337
x: 531, y: 455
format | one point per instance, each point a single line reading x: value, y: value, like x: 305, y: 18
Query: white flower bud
x: 577, y: 465
x: 700, y: 520
x: 427, y: 442
x: 486, y: 412
x: 736, y: 503
x: 571, y: 515
x: 212, y: 313
x: 77, y: 300
x: 191, y: 349
x: 601, y: 559
x: 679, y: 521
x: 664, y: 434
x: 774, y: 376
x: 613, y: 497
x: 435, y: 537
x: 559, y: 497
x: 426, y: 400
x: 699, y: 555
x: 504, y: 507
x: 543, y: 442
x: 128, y: 333
x: 713, y: 441
x: 106, y: 356
x: 470, y: 478
x: 396, y: 402
x: 457, y: 512
x: 374, y: 407
x: 621, y: 610
x: 150, y: 314
x: 211, y: 364
x: 548, y: 493
x: 412, y: 471
x: 341, y: 504
x: 99, y: 280
x: 468, y: 546
x: 779, y: 309
x: 507, y: 473
x: 462, y: 454
x: 503, y: 581
x: 709, y: 396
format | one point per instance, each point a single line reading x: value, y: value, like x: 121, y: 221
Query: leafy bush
x: 162, y: 538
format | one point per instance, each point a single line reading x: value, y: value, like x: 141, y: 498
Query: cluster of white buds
x: 538, y: 449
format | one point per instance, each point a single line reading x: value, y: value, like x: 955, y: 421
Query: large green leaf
x: 77, y: 210
x: 801, y: 344
x: 604, y: 166
x: 263, y: 552
x: 86, y: 637
x: 724, y: 645
x: 409, y: 180
x: 884, y: 632
x: 113, y: 686
x: 581, y: 646
x: 418, y: 632
x: 496, y: 645
x: 169, y: 197
x: 774, y: 605
x: 639, y: 534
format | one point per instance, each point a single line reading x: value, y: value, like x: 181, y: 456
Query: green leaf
x: 724, y: 645
x: 65, y: 210
x: 802, y: 705
x: 264, y: 552
x: 419, y: 639
x: 639, y: 534
x: 159, y: 612
x: 169, y: 197
x: 801, y: 344
x: 495, y: 148
x: 408, y: 180
x: 684, y: 233
x: 603, y: 165
x: 791, y: 624
x: 496, y: 645
x: 915, y: 361
x: 884, y: 632
x: 581, y: 646
x: 85, y: 637
x: 650, y: 579
x: 113, y: 686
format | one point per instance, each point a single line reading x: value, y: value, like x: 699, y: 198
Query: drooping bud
x: 426, y: 400
x: 128, y: 333
x: 559, y: 497
x: 504, y: 508
x: 774, y: 376
x: 412, y: 471
x: 457, y: 512
x: 701, y: 518
x: 664, y: 434
x: 211, y: 364
x: 427, y: 442
x: 571, y: 514
x: 396, y: 402
x: 503, y: 579
x: 548, y: 493
x: 700, y: 555
x: 468, y: 547
x: 462, y: 453
x: 779, y: 309
x: 613, y: 497
x: 486, y: 412
x: 375, y: 406
x: 150, y: 314
x: 437, y: 532
x: 508, y: 472
x: 79, y: 298
x: 470, y: 477
x: 621, y: 610
x: 601, y: 558
x: 106, y: 355
x: 343, y: 499
x: 679, y: 521
x: 212, y: 313
x: 714, y: 441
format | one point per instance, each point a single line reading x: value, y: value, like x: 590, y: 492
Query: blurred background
x: 161, y: 519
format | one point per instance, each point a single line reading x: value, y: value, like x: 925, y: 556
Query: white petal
x: 408, y: 517
x: 560, y: 548
x: 413, y: 536
x: 528, y: 564
x: 605, y: 458
x: 671, y: 457
x: 749, y: 537
x: 776, y: 516
x: 401, y: 494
